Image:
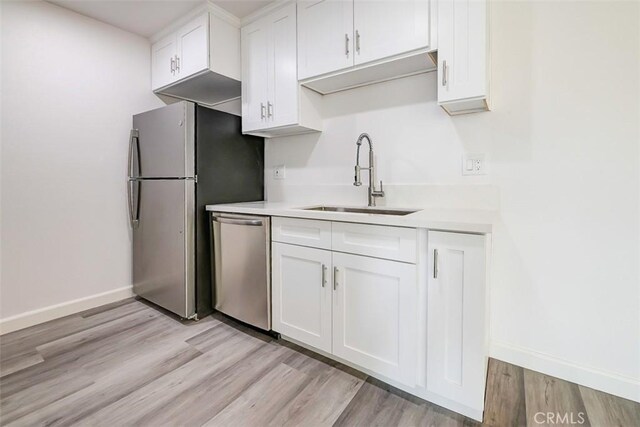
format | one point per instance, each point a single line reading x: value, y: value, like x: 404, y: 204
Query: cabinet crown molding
x: 206, y: 6
x: 254, y: 16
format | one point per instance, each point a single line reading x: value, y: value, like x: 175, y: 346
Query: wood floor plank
x: 106, y: 307
x: 24, y: 341
x: 19, y: 362
x: 85, y: 338
x: 213, y: 337
x: 322, y: 401
x: 280, y: 385
x: 38, y: 386
x: 373, y: 406
x: 110, y: 388
x: 606, y: 410
x: 57, y: 368
x: 173, y: 397
x: 129, y: 363
x: 211, y: 395
x: 505, y: 398
x: 552, y: 402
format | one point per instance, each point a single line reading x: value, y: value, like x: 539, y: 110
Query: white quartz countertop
x: 461, y: 220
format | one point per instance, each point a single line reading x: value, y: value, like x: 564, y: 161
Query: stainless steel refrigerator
x: 183, y: 157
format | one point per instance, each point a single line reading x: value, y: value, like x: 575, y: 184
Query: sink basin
x: 365, y: 210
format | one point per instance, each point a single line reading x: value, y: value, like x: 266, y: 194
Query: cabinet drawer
x: 394, y: 243
x: 304, y: 232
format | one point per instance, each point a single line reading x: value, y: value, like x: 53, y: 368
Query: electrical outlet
x: 474, y: 164
x: 279, y: 172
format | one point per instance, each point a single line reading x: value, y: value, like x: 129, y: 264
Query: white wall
x: 70, y: 85
x: 563, y: 142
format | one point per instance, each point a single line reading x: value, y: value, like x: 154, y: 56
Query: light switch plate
x: 279, y: 172
x: 474, y: 164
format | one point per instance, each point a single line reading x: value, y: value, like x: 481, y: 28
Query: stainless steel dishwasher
x: 241, y: 267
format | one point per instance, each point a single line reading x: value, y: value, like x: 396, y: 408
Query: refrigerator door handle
x: 134, y: 137
x: 133, y: 209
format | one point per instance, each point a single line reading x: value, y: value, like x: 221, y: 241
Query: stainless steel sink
x: 365, y: 210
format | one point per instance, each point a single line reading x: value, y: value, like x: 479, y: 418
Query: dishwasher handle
x: 223, y: 220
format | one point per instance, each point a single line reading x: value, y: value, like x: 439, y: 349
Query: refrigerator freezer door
x: 162, y: 142
x: 164, y: 246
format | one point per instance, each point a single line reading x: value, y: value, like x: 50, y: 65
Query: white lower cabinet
x: 375, y: 316
x: 301, y: 294
x: 361, y: 309
x: 419, y: 323
x: 456, y: 327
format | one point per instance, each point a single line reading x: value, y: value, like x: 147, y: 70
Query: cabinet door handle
x: 269, y: 109
x: 324, y: 275
x: 335, y: 278
x: 177, y: 63
x: 435, y: 263
x: 445, y: 71
x: 262, y: 111
x: 346, y: 44
x: 358, y: 42
x: 173, y: 65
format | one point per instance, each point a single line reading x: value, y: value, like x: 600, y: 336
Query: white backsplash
x: 455, y: 196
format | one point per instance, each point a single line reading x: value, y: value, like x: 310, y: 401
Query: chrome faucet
x: 373, y: 193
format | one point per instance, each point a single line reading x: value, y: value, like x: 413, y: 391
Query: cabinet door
x: 375, y: 315
x: 254, y: 75
x: 193, y: 47
x: 162, y: 62
x: 282, y: 107
x: 301, y: 294
x: 456, y: 354
x: 462, y: 49
x: 389, y: 27
x: 325, y: 36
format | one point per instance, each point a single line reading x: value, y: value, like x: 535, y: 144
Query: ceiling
x: 147, y: 17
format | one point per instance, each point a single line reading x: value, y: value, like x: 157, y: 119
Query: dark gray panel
x: 230, y: 168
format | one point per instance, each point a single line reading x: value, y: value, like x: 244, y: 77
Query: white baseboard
x: 52, y: 312
x: 609, y: 382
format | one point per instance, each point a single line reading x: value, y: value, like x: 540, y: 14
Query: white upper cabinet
x: 193, y: 46
x: 325, y: 36
x: 198, y: 60
x: 163, y: 57
x: 351, y: 43
x: 456, y: 317
x: 255, y: 68
x: 384, y: 28
x: 463, y: 52
x: 282, y: 105
x: 273, y: 103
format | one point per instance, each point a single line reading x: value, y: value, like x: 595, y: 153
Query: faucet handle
x: 377, y: 193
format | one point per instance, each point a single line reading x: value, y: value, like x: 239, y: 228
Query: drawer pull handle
x: 324, y: 275
x: 335, y: 278
x: 346, y: 45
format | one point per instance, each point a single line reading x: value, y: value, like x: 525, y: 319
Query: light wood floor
x: 128, y: 363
